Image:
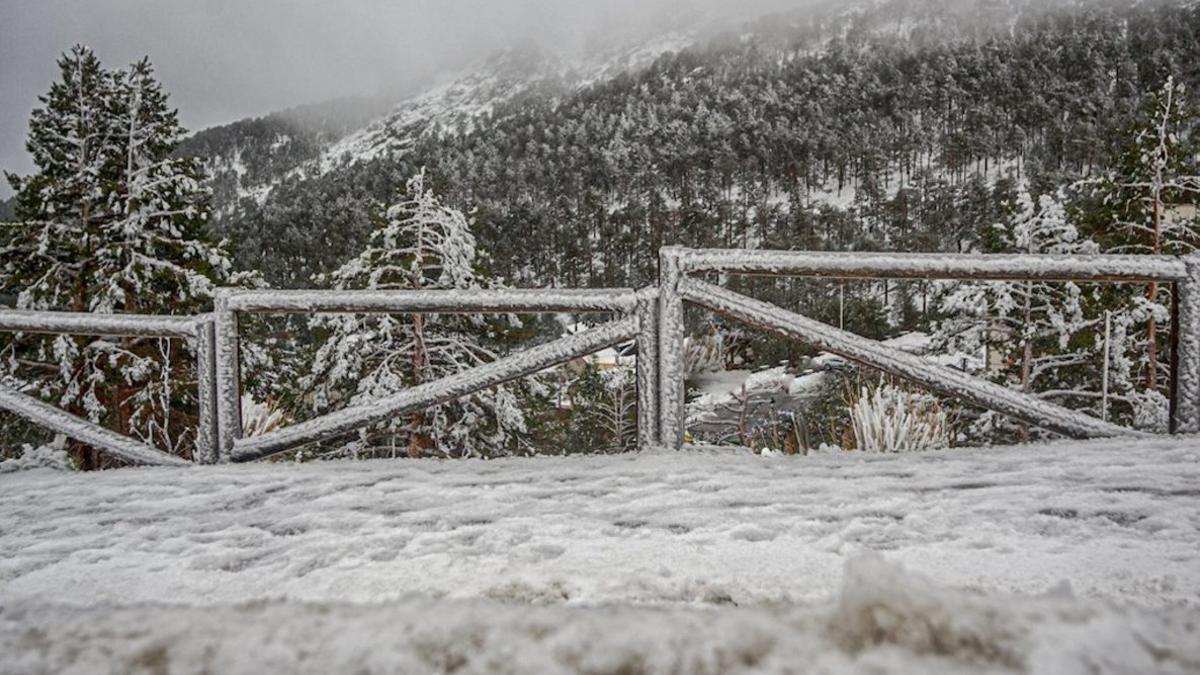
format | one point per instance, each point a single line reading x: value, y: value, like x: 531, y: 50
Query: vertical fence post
x: 670, y: 348
x: 647, y: 370
x: 1104, y: 366
x: 1185, y: 409
x: 228, y: 375
x: 206, y: 387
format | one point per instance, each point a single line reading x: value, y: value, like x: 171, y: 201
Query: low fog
x: 223, y: 60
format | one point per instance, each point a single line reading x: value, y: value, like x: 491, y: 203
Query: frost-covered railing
x: 652, y: 316
x: 637, y: 320
x: 676, y: 287
x: 198, y: 330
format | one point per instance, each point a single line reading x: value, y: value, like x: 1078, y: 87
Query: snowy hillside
x: 454, y: 104
x: 1055, y: 558
x: 897, y: 124
x: 460, y: 102
x: 457, y: 106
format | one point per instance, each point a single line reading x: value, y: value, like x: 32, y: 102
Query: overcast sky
x: 223, y: 60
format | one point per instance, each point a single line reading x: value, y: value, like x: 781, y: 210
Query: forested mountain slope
x: 244, y: 158
x: 889, y: 126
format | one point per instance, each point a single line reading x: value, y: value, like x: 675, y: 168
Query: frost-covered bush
x: 51, y: 455
x: 1151, y: 411
x: 887, y: 418
x: 604, y: 407
x: 705, y: 352
x: 260, y: 417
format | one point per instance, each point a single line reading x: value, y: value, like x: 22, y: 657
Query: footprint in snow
x: 753, y: 533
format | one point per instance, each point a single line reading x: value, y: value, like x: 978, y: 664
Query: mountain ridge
x: 878, y: 122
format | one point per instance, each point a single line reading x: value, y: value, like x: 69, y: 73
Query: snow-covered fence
x: 652, y: 316
x: 675, y: 287
x: 198, y: 329
x: 637, y: 320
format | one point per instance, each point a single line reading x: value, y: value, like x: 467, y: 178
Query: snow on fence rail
x: 992, y: 266
x: 84, y: 323
x: 84, y: 431
x: 198, y: 329
x: 675, y: 287
x: 652, y: 316
x: 436, y: 301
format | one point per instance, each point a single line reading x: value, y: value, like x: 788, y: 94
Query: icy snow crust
x: 1070, y: 557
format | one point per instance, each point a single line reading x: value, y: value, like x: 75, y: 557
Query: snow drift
x: 1061, y: 558
x: 885, y: 619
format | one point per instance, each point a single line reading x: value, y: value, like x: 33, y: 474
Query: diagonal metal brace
x: 84, y: 431
x: 923, y: 371
x: 440, y: 391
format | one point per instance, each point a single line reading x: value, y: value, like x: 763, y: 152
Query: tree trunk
x: 1026, y: 353
x: 418, y: 441
x: 1152, y: 296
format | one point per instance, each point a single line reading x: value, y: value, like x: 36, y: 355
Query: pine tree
x: 111, y: 223
x: 419, y: 244
x: 157, y: 239
x: 1028, y: 330
x: 49, y: 256
x: 1157, y: 175
x: 603, y: 410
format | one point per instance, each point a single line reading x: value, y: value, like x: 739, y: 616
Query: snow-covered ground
x: 1070, y: 557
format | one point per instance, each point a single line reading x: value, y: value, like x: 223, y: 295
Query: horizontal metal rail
x: 446, y: 389
x: 84, y: 431
x: 84, y: 323
x: 496, y: 301
x: 908, y: 366
x: 869, y: 265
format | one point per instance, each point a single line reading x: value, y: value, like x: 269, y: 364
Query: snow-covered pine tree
x: 155, y: 251
x: 157, y: 241
x: 1153, y: 194
x: 48, y: 254
x: 1029, y: 330
x: 419, y: 244
x: 603, y: 410
x: 111, y: 222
